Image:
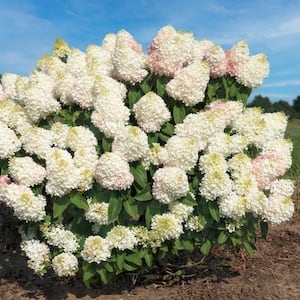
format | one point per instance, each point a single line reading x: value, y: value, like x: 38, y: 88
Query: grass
x: 293, y: 132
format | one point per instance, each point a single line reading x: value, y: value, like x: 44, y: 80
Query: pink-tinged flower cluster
x: 113, y: 172
x: 236, y: 57
x: 170, y: 51
x: 128, y: 59
x: 216, y: 59
x: 4, y: 179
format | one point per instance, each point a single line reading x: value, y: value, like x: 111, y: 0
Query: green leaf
x: 187, y: 245
x: 131, y: 207
x: 109, y: 267
x: 134, y: 258
x: 59, y: 206
x: 143, y: 196
x: 129, y: 267
x: 88, y: 274
x: 222, y: 238
x: 168, y: 129
x: 120, y: 261
x: 115, y: 206
x: 148, y: 258
x: 145, y: 87
x: 161, y: 86
x: 155, y: 207
x: 264, y: 227
x: 189, y: 200
x: 140, y: 175
x: 106, y: 144
x: 249, y: 248
x: 178, y: 113
x: 103, y: 275
x: 78, y: 200
x: 214, y: 212
x: 205, y: 248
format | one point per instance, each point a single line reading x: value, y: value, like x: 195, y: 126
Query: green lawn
x: 293, y: 132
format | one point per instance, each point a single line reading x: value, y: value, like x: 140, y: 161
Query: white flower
x: 151, y: 112
x: 25, y: 204
x: 97, y: 213
x: 62, y: 174
x: 81, y: 92
x: 182, y: 152
x: 14, y: 115
x: 121, y: 237
x: 76, y: 63
x: 60, y: 133
x: 279, y: 209
x: 195, y: 223
x: 169, y: 184
x: 128, y: 59
x: 113, y: 172
x: 212, y: 162
x: 39, y: 103
x: 232, y: 206
x: 180, y: 210
x: 214, y: 184
x: 170, y: 51
x: 37, y: 140
x: 80, y: 137
x: 95, y: 249
x: 65, y: 264
x: 9, y: 142
x: 216, y: 59
x: 189, y: 83
x: 8, y: 82
x: 60, y: 237
x: 98, y: 60
x: 131, y: 143
x: 38, y: 254
x: 254, y: 71
x: 110, y: 117
x: 166, y: 226
x: 24, y: 171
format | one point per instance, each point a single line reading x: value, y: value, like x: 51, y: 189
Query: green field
x: 293, y: 132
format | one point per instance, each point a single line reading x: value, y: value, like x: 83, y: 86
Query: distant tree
x: 285, y: 107
x: 263, y: 102
x: 296, y: 104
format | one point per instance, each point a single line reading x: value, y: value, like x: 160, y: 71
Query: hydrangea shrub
x: 113, y: 159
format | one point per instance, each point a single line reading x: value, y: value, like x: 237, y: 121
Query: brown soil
x: 273, y: 272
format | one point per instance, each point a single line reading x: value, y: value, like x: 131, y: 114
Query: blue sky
x: 28, y: 30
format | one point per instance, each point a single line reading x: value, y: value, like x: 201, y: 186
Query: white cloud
x: 283, y: 83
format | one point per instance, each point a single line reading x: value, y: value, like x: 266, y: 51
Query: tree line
x: 292, y: 110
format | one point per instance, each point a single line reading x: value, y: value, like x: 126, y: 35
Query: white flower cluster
x: 59, y: 237
x: 238, y: 154
x: 24, y: 171
x: 25, y: 204
x: 38, y: 254
x: 151, y: 112
x: 113, y: 172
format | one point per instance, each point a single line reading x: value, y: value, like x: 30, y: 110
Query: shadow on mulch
x: 14, y: 270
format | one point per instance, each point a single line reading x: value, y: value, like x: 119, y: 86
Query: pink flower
x: 4, y: 179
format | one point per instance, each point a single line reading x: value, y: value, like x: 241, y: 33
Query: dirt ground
x: 273, y: 272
